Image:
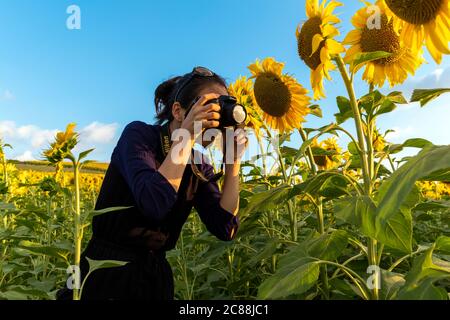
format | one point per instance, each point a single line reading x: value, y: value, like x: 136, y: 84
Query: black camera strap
x: 166, y: 144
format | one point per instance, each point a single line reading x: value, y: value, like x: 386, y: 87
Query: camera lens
x: 239, y: 114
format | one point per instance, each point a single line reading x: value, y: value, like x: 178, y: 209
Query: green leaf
x: 19, y: 292
x: 439, y: 175
x: 391, y: 282
x: 424, y: 96
x: 358, y: 211
x: 86, y: 218
x: 334, y: 187
x: 326, y: 184
x: 417, y: 143
x: 396, y: 231
x: 443, y: 244
x: 386, y: 107
x: 267, y: 200
x: 84, y: 154
x: 426, y: 270
x: 362, y: 58
x: 424, y: 291
x: 38, y: 249
x: 107, y: 210
x: 397, y: 97
x: 328, y: 246
x: 294, y: 278
x: 345, y: 109
x: 395, y: 190
x: 371, y: 101
x: 353, y: 149
x: 288, y: 152
x: 104, y: 264
x: 316, y: 111
x: 432, y: 205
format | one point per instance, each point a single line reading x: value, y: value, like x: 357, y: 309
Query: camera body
x: 232, y: 114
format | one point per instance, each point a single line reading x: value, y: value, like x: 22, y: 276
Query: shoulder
x: 142, y: 134
x: 141, y: 129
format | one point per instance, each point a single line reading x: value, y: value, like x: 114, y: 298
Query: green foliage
x: 424, y: 96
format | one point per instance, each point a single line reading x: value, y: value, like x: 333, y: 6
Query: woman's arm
x: 135, y: 158
x: 218, y: 210
x: 207, y: 201
x: 230, y: 192
x: 175, y: 163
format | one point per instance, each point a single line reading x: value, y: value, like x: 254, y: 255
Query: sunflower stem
x: 309, y: 153
x: 320, y: 218
x: 358, y: 121
x: 291, y: 211
x: 372, y: 243
x: 263, y: 155
x: 78, y: 227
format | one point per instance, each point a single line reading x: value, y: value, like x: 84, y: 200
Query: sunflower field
x: 318, y: 221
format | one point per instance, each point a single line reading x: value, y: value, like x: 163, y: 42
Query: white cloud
x: 36, y: 136
x: 98, y: 132
x: 25, y: 138
x: 26, y: 156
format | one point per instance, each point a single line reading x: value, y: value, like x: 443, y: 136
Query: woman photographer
x: 160, y: 186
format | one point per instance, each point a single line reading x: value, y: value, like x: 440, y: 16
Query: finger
x: 210, y: 124
x: 206, y: 97
x: 212, y: 116
x: 211, y: 107
x: 207, y: 116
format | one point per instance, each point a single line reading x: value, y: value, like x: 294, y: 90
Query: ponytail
x: 164, y: 100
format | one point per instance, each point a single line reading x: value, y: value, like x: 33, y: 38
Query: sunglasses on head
x: 196, y: 72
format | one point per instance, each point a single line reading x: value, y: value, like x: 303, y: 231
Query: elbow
x: 155, y: 204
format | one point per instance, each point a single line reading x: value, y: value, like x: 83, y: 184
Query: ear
x: 177, y: 112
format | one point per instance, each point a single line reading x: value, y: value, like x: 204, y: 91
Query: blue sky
x: 104, y: 75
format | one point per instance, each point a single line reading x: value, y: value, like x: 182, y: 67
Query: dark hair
x: 166, y: 91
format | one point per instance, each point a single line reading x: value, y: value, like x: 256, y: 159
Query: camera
x: 232, y: 114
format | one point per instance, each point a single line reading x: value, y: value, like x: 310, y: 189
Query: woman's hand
x: 239, y: 145
x: 208, y: 115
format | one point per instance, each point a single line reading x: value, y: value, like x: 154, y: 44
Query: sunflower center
x: 309, y: 29
x: 272, y: 95
x: 382, y: 39
x: 415, y: 11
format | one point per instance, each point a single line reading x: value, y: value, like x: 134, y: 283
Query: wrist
x: 233, y: 168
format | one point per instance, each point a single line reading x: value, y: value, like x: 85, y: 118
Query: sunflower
x: 281, y: 98
x: 242, y: 89
x: 64, y: 143
x: 422, y: 20
x: 327, y: 154
x: 379, y: 142
x: 316, y: 44
x: 394, y: 68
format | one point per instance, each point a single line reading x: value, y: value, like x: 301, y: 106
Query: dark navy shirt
x: 132, y: 180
